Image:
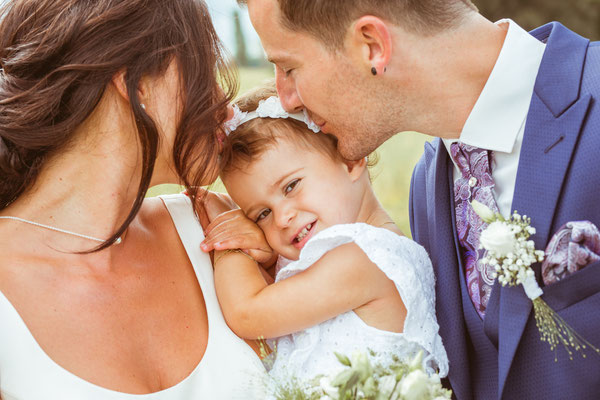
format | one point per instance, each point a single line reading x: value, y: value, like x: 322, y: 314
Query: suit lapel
x: 553, y: 125
x: 445, y: 263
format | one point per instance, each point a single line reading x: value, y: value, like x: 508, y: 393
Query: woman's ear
x: 356, y: 168
x: 121, y: 85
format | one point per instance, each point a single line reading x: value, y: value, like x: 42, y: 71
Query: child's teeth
x: 304, y: 232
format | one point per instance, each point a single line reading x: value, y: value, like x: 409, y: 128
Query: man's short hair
x: 328, y: 20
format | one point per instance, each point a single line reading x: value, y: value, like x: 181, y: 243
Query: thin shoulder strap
x: 184, y: 218
x: 191, y: 234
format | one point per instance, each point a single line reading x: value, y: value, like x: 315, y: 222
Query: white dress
x: 229, y: 368
x: 309, y: 353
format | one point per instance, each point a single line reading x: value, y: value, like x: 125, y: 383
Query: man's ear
x: 356, y: 168
x: 373, y: 38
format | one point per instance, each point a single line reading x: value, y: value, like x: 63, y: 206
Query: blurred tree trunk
x: 241, y: 54
x: 581, y: 16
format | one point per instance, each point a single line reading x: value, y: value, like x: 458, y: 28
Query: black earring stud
x: 373, y: 71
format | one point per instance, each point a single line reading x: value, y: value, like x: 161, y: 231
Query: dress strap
x: 191, y: 234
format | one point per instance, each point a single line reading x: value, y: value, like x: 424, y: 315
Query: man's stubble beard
x: 371, y: 118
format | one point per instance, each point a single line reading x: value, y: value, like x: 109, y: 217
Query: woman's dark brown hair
x: 57, y: 58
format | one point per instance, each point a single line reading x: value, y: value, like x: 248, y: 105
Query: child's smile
x: 304, y: 235
x: 293, y: 192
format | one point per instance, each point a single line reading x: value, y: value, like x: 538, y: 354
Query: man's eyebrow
x: 277, y: 59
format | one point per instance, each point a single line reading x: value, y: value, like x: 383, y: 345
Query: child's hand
x: 233, y: 230
x: 211, y: 204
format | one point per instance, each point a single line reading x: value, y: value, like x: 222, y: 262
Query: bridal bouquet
x: 360, y: 379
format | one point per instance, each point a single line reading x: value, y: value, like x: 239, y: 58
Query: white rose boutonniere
x: 499, y: 237
x: 511, y: 253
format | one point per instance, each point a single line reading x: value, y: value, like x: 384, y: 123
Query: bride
x: 105, y: 294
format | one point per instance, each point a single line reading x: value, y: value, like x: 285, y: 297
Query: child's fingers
x: 209, y: 242
x: 228, y: 227
x: 224, y: 217
x: 243, y: 238
x: 228, y: 244
x: 218, y: 203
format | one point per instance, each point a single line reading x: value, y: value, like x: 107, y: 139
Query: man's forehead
x: 266, y: 19
x: 263, y: 12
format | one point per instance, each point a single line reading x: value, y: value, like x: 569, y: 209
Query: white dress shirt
x: 497, y: 121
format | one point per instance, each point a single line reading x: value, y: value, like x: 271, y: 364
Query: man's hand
x: 233, y: 230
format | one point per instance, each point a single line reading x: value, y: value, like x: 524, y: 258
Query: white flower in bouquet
x: 387, y: 386
x: 330, y: 391
x: 360, y: 379
x: 415, y: 386
x: 499, y: 238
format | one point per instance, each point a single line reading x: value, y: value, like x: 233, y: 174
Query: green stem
x: 393, y: 390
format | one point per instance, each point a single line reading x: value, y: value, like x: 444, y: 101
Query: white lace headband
x: 269, y: 108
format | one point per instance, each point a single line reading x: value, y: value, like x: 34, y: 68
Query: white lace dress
x: 309, y: 353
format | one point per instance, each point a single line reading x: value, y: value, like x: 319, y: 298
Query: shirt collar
x: 502, y: 107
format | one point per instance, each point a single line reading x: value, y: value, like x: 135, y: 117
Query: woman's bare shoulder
x: 155, y: 218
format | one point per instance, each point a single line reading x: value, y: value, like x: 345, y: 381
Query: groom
x: 517, y: 121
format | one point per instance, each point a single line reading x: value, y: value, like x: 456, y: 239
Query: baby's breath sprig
x: 511, y: 253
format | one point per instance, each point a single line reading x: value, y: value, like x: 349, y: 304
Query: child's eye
x: 290, y: 186
x: 263, y: 214
x: 287, y: 72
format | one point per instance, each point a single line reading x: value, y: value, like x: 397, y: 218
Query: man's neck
x: 452, y: 70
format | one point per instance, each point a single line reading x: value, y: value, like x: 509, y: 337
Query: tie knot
x: 471, y: 161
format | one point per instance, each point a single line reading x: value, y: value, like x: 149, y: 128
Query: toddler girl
x: 354, y: 282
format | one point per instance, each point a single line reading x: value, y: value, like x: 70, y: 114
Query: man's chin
x: 352, y: 154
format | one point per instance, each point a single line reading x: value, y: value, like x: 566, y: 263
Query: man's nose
x: 286, y: 89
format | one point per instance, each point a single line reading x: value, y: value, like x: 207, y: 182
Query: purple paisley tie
x: 476, y: 183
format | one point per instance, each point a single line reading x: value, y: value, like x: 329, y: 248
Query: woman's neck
x: 89, y: 187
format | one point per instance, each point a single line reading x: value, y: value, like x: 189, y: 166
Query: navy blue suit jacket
x: 558, y: 180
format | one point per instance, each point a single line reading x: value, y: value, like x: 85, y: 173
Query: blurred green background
x: 399, y: 154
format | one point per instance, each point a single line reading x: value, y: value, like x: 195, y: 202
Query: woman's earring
x: 143, y: 106
x: 374, y: 71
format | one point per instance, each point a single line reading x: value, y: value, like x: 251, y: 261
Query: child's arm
x: 342, y: 280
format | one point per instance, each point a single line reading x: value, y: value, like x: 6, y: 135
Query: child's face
x: 293, y: 192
